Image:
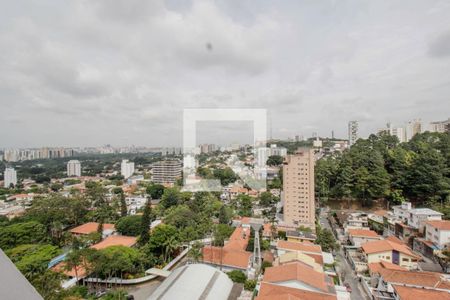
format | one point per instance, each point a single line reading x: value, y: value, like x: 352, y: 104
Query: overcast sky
x: 87, y: 72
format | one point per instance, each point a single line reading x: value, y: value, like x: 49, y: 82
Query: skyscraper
x: 352, y: 132
x: 74, y: 168
x: 10, y: 177
x: 126, y: 168
x: 298, y: 186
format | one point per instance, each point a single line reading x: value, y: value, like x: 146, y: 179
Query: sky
x: 120, y: 72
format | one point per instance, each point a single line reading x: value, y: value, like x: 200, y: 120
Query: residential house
x: 385, y: 250
x: 310, y: 249
x: 357, y: 237
x: 233, y: 255
x: 295, y: 280
x: 91, y: 227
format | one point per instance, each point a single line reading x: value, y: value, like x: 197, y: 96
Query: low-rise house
x: 395, y: 253
x: 386, y: 277
x: 419, y: 216
x: 295, y: 280
x: 438, y: 232
x: 116, y: 240
x: 310, y: 249
x: 270, y: 291
x: 413, y: 293
x: 300, y: 236
x: 415, y: 217
x: 357, y: 237
x: 233, y: 255
x: 91, y: 227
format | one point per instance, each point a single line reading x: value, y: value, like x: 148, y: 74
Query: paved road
x: 343, y: 267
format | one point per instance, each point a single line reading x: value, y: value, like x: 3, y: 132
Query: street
x: 342, y: 266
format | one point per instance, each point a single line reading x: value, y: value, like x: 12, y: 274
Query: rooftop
x: 227, y: 257
x: 302, y: 272
x: 90, y: 228
x: 385, y: 245
x: 363, y: 233
x: 424, y: 279
x: 195, y: 281
x: 424, y: 211
x: 269, y: 291
x: 296, y: 246
x: 116, y: 240
x: 411, y: 293
x: 440, y: 224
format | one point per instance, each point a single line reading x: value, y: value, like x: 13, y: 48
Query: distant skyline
x: 120, y: 72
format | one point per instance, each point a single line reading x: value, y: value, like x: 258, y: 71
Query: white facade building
x: 126, y: 168
x: 440, y: 126
x: 74, y: 168
x: 415, y: 217
x: 10, y: 177
x: 438, y: 232
x: 412, y: 128
x: 352, y: 132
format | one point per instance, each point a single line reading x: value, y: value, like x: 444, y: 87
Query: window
x: 405, y: 259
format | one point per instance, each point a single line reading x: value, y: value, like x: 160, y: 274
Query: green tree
x: 129, y: 225
x: 250, y: 284
x: 123, y: 205
x: 224, y: 215
x: 221, y: 233
x: 163, y: 240
x: 195, y: 253
x: 22, y: 233
x: 325, y: 239
x: 237, y: 276
x: 171, y: 197
x: 155, y: 191
x: 146, y: 221
x: 275, y: 160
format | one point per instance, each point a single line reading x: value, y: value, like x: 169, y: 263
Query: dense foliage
x: 381, y: 167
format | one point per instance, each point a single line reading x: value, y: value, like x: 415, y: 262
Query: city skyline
x: 113, y: 74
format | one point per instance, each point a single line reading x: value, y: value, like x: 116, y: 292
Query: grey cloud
x: 124, y: 70
x: 440, y: 46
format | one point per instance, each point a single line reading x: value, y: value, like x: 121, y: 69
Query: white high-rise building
x: 440, y: 126
x: 127, y: 168
x: 412, y: 128
x: 352, y: 132
x: 74, y: 168
x: 10, y: 176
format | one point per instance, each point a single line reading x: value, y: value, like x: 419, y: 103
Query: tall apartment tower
x: 412, y: 128
x: 352, y: 132
x: 74, y: 168
x: 298, y: 186
x: 126, y: 168
x: 10, y: 177
x: 167, y: 171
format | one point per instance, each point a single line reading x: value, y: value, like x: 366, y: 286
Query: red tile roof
x: 425, y: 279
x: 269, y: 291
x: 238, y: 239
x: 395, y: 239
x: 384, y: 245
x: 363, y: 233
x: 221, y: 256
x: 299, y: 271
x: 90, y: 228
x: 116, y: 240
x: 297, y: 246
x: 440, y: 224
x: 411, y: 293
x: 378, y: 266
